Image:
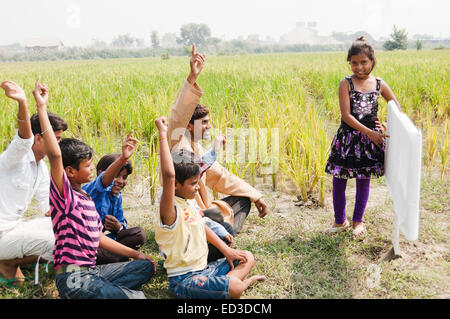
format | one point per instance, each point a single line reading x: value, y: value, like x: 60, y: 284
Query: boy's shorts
x: 30, y: 237
x: 209, y: 283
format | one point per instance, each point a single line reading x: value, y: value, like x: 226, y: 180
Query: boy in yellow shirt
x: 182, y: 235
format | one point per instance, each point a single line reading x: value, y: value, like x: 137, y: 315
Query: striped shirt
x: 76, y: 225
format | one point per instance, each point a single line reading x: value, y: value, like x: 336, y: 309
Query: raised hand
x: 197, y: 62
x: 129, y: 146
x: 219, y: 142
x: 161, y: 124
x: 13, y: 91
x: 40, y: 93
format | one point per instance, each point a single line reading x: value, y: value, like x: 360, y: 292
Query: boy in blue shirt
x: 112, y: 173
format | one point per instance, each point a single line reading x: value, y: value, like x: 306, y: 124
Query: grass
x: 300, y: 260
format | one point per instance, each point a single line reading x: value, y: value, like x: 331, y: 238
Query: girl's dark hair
x: 107, y: 160
x: 186, y: 165
x: 200, y: 112
x: 361, y: 46
x: 73, y: 151
x: 56, y: 122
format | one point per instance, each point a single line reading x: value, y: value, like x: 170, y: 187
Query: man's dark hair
x: 186, y: 165
x: 56, y: 122
x: 107, y: 160
x: 74, y: 151
x: 200, y: 112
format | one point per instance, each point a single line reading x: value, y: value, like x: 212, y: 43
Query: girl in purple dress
x: 357, y: 150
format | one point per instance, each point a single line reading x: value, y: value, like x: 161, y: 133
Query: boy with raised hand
x: 112, y: 175
x: 77, y: 226
x: 23, y: 175
x: 182, y: 234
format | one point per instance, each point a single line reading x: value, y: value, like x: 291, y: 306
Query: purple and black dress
x: 353, y: 154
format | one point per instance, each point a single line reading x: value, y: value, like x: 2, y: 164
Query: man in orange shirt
x: 184, y: 134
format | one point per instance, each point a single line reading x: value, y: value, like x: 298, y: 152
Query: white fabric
x: 32, y: 237
x: 36, y: 270
x: 403, y: 158
x: 21, y: 178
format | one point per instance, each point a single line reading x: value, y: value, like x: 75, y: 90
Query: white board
x: 403, y: 162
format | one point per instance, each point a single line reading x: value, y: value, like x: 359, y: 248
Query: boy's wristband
x: 46, y: 130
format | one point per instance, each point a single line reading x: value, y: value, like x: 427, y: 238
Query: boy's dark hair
x: 186, y: 165
x: 73, y: 151
x: 361, y: 46
x: 200, y: 112
x: 107, y: 160
x: 56, y: 122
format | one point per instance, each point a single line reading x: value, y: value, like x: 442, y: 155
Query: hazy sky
x: 77, y: 22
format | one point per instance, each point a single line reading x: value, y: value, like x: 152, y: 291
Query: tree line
x: 170, y: 44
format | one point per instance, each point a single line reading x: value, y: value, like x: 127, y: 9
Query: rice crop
x: 283, y: 109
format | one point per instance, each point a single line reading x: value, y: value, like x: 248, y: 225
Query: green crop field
x: 294, y: 97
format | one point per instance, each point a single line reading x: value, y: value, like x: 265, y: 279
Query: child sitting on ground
x: 213, y: 217
x: 77, y: 226
x: 182, y: 234
x: 106, y: 191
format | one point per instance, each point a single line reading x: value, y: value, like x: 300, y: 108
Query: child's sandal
x: 12, y: 283
x: 359, y: 230
x: 338, y: 229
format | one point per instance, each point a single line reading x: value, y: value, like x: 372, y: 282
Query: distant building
x: 306, y: 33
x: 42, y: 44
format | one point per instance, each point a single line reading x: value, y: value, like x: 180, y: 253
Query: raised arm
x: 15, y: 92
x: 128, y: 148
x: 167, y: 205
x: 197, y: 61
x: 187, y: 100
x: 52, y: 149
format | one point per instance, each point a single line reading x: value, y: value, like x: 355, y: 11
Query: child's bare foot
x: 10, y: 271
x: 254, y: 279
